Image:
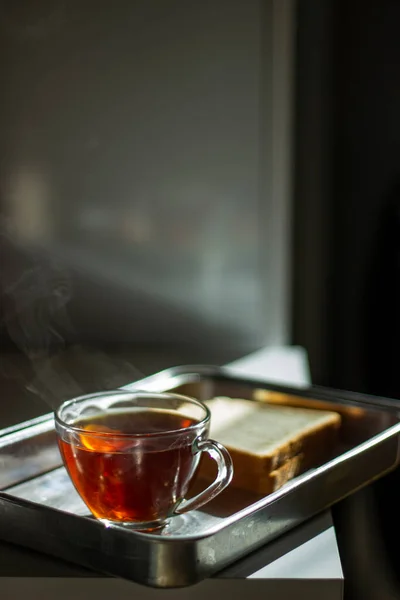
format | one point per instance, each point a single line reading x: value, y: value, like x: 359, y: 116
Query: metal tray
x: 39, y: 507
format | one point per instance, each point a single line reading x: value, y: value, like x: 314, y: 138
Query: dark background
x: 347, y: 193
x: 346, y: 242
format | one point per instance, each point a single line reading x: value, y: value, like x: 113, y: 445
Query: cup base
x: 146, y: 527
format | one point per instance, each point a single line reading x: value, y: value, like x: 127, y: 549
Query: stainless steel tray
x: 39, y: 507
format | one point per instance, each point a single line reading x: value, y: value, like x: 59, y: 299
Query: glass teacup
x: 132, y: 455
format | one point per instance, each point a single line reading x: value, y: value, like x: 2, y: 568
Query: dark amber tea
x: 123, y: 471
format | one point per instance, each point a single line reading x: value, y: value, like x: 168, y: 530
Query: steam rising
x: 36, y: 293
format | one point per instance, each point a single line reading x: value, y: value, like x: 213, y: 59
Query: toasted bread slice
x: 271, y: 444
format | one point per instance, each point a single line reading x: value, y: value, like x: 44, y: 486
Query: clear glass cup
x: 132, y: 455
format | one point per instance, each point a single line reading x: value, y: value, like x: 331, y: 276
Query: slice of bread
x: 270, y: 444
x: 279, y: 477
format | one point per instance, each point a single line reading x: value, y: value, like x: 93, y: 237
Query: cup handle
x: 224, y: 476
